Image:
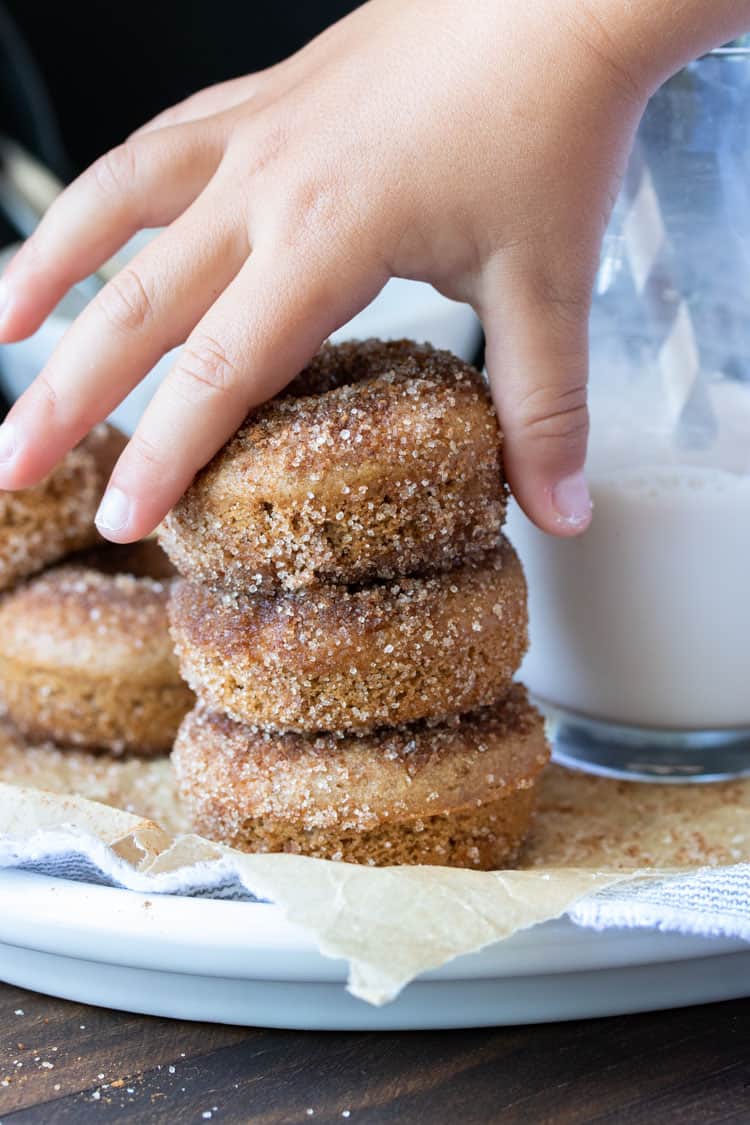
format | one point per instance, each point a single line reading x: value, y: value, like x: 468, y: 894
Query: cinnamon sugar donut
x: 380, y: 459
x: 86, y: 660
x: 42, y: 524
x: 459, y: 793
x: 330, y: 658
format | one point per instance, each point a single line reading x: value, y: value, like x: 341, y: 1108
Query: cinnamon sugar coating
x: 86, y: 659
x: 40, y: 525
x: 143, y: 786
x: 333, y: 659
x: 380, y: 459
x: 458, y: 793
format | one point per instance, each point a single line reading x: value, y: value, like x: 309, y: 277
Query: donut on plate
x: 459, y: 793
x: 86, y: 660
x: 380, y: 459
x: 331, y: 658
x: 40, y: 525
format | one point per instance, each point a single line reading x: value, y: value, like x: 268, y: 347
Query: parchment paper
x: 390, y: 923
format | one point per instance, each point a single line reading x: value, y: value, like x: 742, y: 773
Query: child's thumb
x: 537, y: 363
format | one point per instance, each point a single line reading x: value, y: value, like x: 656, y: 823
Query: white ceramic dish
x: 402, y: 308
x: 243, y: 963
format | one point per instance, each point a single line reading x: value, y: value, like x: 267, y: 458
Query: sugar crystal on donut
x: 420, y: 794
x: 40, y: 525
x: 86, y: 660
x: 380, y: 459
x: 352, y: 618
x: 286, y: 661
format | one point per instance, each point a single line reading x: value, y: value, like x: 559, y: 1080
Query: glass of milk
x: 640, y: 628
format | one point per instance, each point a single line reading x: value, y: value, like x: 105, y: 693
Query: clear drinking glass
x: 640, y: 629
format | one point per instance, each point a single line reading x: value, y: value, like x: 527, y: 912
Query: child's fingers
x: 144, y: 311
x: 144, y: 183
x: 256, y: 337
x: 537, y: 364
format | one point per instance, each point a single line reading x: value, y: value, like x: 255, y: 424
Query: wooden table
x: 67, y: 1063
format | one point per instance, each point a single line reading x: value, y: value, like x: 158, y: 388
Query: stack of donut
x: 351, y: 620
x: 86, y: 659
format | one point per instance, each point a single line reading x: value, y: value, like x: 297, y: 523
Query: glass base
x: 638, y: 754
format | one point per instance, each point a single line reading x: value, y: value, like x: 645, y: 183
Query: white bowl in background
x: 403, y: 308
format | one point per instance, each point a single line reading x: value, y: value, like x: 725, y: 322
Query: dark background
x: 76, y: 78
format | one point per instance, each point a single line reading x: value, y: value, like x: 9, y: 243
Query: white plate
x: 402, y: 308
x: 242, y: 963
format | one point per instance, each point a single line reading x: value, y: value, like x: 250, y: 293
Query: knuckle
x: 262, y: 144
x: 125, y: 302
x: 205, y: 370
x: 171, y: 116
x: 316, y: 211
x: 179, y: 112
x: 146, y: 452
x: 45, y: 392
x: 557, y: 413
x: 193, y: 103
x: 114, y: 173
x: 315, y: 203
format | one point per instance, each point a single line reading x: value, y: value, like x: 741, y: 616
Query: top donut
x: 381, y: 459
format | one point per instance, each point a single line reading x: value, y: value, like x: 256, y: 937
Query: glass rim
x: 727, y: 51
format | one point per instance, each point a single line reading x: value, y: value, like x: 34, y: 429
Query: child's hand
x: 476, y: 146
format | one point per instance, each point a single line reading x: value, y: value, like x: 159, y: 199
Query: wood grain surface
x: 67, y: 1063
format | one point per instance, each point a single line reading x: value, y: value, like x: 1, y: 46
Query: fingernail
x: 8, y: 442
x: 114, y: 511
x: 572, y: 500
